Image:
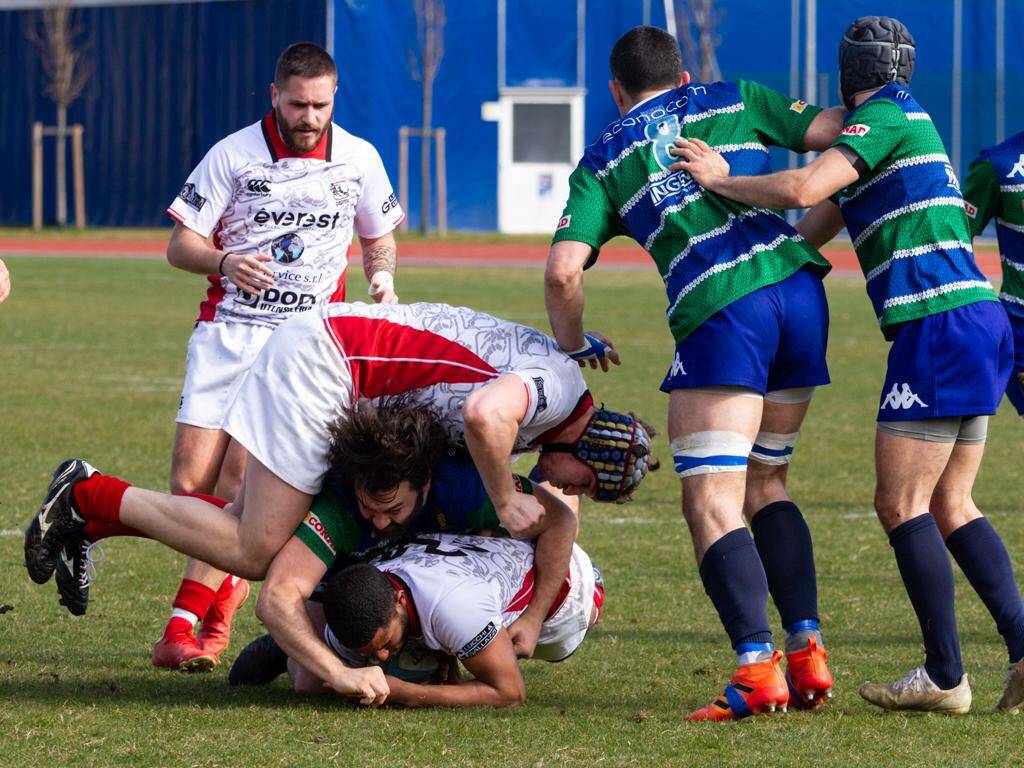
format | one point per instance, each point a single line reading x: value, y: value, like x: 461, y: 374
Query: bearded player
x: 951, y: 354
x: 497, y: 387
x: 268, y: 214
x: 747, y: 311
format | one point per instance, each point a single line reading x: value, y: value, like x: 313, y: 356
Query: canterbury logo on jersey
x: 258, y: 186
x: 297, y: 219
x: 898, y: 399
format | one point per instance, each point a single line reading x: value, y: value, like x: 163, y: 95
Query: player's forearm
x: 188, y: 251
x: 283, y: 611
x: 472, y: 693
x: 784, y: 189
x: 563, y: 296
x: 379, y: 255
x: 552, y: 553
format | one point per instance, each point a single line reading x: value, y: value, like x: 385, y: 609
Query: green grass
x: 91, y: 361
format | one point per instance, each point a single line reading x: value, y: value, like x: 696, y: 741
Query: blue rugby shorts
x: 954, y: 363
x: 773, y: 338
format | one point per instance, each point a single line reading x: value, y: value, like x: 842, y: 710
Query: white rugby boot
x: 918, y: 693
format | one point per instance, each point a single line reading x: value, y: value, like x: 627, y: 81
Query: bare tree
x: 424, y: 64
x: 699, y: 53
x: 67, y: 70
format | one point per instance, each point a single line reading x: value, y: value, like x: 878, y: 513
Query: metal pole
x: 581, y: 43
x: 670, y: 18
x: 37, y: 176
x: 403, y: 174
x: 811, y: 61
x: 1000, y: 70
x: 329, y: 20
x: 794, y: 64
x: 61, y: 166
x: 501, y: 44
x: 442, y: 183
x: 956, y: 100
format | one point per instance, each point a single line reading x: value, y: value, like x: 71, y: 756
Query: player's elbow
x: 801, y: 195
x: 512, y: 696
x: 270, y: 602
x: 559, y: 275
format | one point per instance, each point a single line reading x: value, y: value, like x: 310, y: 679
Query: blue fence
x: 171, y: 79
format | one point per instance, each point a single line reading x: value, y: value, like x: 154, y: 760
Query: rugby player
x: 748, y: 314
x: 373, y: 495
x: 460, y: 595
x: 951, y: 355
x: 994, y: 188
x: 498, y: 387
x: 268, y: 215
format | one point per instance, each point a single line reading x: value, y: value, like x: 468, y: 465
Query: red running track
x: 415, y: 252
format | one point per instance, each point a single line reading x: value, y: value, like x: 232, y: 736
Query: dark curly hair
x: 358, y: 601
x: 374, y: 447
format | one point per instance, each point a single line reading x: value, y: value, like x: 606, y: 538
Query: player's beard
x: 396, y: 531
x: 294, y: 136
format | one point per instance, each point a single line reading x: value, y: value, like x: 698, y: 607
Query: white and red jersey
x: 316, y: 364
x: 253, y: 194
x: 462, y: 589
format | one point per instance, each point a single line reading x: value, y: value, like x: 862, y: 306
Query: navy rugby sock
x: 983, y: 558
x: 734, y: 580
x: 784, y: 544
x: 928, y: 577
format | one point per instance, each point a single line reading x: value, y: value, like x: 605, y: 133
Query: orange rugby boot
x: 807, y: 674
x: 215, y: 632
x: 754, y: 689
x: 181, y: 651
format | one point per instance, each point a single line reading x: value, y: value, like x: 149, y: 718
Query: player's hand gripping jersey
x: 252, y: 194
x: 455, y: 503
x: 322, y: 361
x: 906, y: 214
x: 463, y: 589
x: 995, y: 189
x: 709, y: 250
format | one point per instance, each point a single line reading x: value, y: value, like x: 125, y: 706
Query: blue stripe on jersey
x: 732, y: 240
x: 902, y: 187
x: 913, y: 274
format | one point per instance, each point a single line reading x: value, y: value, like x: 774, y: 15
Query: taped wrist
x: 380, y: 282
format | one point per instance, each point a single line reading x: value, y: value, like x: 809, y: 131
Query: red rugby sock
x: 99, y: 498
x: 194, y: 597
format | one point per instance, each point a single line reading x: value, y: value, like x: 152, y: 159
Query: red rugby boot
x: 178, y: 649
x: 807, y: 674
x: 215, y: 632
x: 754, y: 689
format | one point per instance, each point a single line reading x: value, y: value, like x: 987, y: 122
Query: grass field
x: 91, y: 361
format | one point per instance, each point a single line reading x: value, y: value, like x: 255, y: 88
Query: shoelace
x: 88, y: 573
x: 915, y: 680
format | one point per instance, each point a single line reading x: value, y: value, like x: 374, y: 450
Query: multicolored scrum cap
x: 875, y: 51
x: 617, y: 448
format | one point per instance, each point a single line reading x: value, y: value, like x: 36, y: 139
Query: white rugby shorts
x: 219, y: 354
x: 296, y: 387
x: 562, y: 633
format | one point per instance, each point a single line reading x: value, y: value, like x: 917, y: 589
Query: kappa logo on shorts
x: 898, y: 399
x: 677, y: 367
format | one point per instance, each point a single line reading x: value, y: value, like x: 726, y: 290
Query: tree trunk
x: 62, y: 177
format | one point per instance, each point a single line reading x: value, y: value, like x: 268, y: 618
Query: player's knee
x: 185, y: 482
x: 710, y: 452
x: 890, y: 511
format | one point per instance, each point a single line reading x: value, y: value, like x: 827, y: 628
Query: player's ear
x: 616, y: 89
x: 684, y: 78
x: 273, y: 95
